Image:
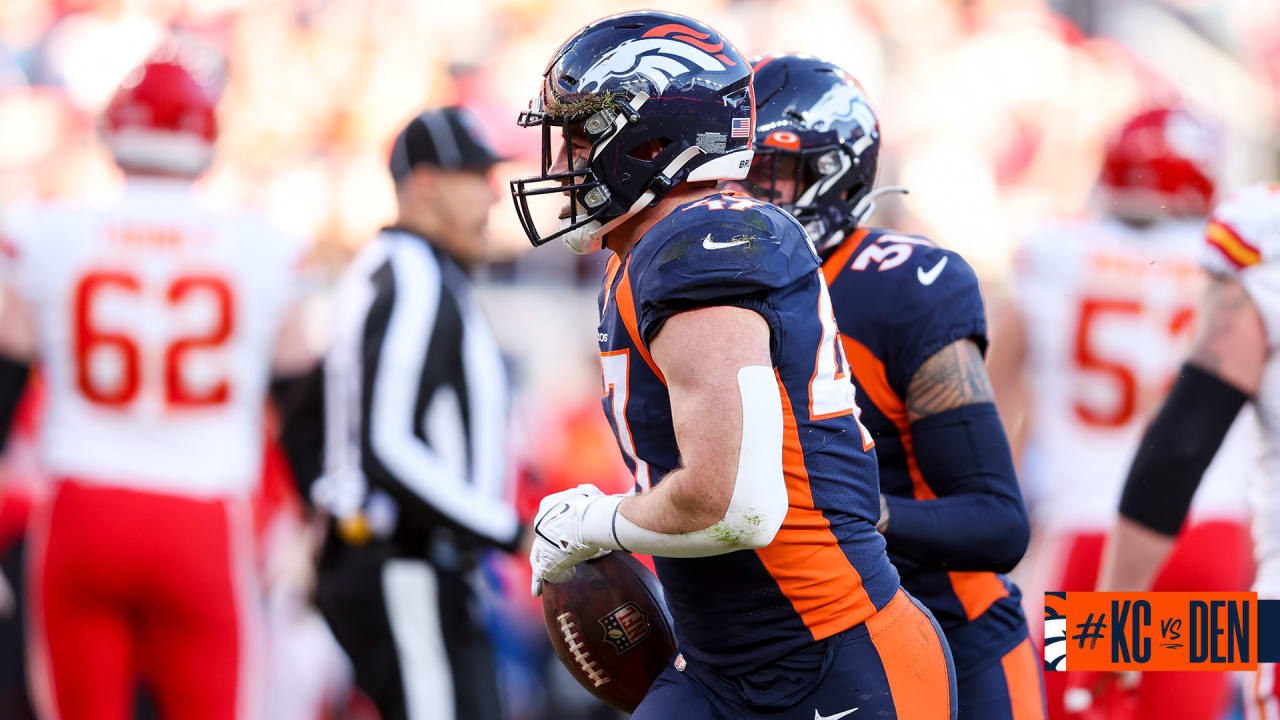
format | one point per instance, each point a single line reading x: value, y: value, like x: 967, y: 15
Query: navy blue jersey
x: 898, y: 300
x: 826, y: 570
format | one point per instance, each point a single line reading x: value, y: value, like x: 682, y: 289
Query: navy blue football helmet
x: 661, y: 98
x: 815, y: 127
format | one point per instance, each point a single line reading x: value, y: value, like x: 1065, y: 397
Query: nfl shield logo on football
x: 625, y: 626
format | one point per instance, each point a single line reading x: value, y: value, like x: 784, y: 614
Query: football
x: 610, y: 627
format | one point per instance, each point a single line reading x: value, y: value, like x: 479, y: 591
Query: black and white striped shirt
x: 416, y: 405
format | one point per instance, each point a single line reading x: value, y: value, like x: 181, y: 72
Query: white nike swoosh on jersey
x: 837, y: 716
x: 927, y: 278
x: 710, y: 244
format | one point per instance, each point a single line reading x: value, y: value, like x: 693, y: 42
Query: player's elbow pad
x: 1014, y: 532
x: 1177, y: 448
x: 757, y: 506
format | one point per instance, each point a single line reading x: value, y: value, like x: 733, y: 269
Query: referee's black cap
x: 449, y: 138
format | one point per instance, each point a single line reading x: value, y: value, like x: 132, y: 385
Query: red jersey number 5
x: 1128, y: 383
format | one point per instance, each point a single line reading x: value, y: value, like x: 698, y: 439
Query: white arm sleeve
x: 756, y: 508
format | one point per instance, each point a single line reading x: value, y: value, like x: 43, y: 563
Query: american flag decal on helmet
x: 741, y: 127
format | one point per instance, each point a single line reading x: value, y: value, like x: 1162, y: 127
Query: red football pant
x: 1210, y: 557
x: 133, y: 586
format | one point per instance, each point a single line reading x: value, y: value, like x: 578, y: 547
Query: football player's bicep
x: 1231, y: 342
x: 953, y: 377
x: 700, y: 352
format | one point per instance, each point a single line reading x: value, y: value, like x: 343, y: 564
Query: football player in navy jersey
x: 912, y: 325
x: 728, y: 391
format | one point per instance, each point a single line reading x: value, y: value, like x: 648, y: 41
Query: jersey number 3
x: 91, y: 342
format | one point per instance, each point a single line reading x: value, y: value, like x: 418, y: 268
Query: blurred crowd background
x: 1011, y: 100
x: 994, y: 113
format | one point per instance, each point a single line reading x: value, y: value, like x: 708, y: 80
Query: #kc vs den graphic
x: 1154, y: 631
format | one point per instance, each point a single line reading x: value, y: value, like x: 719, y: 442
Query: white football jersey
x: 156, y: 319
x: 1243, y: 239
x: 1110, y: 314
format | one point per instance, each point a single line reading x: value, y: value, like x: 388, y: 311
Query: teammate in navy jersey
x: 728, y: 391
x: 912, y: 325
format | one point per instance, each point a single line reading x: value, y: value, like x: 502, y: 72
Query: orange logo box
x: 1155, y: 630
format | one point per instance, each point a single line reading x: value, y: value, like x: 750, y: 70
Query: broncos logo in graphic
x: 657, y: 58
x: 841, y: 102
x: 1055, y: 631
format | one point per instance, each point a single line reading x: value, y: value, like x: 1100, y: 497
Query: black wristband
x: 614, y: 528
x: 1177, y: 448
x: 14, y: 374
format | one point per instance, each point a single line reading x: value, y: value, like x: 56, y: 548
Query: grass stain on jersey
x: 678, y: 249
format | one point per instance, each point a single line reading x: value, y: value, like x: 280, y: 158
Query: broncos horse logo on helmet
x: 661, y: 92
x: 843, y: 103
x: 658, y: 59
x: 816, y: 131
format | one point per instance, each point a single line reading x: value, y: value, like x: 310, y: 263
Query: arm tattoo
x: 1226, y: 308
x: 953, y: 377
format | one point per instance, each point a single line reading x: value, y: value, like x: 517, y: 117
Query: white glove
x: 558, y: 544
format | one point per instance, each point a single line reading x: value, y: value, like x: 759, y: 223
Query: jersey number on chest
x: 615, y: 366
x: 93, y: 343
x: 1126, y: 319
x: 831, y: 393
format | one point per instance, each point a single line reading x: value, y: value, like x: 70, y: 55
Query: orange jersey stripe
x: 975, y: 590
x: 611, y: 271
x: 805, y: 558
x: 839, y: 259
x: 914, y: 663
x: 1022, y: 677
x: 1225, y: 238
x: 872, y: 377
x: 627, y: 309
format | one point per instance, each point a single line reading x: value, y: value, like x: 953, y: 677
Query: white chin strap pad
x: 584, y: 240
x: 759, y: 501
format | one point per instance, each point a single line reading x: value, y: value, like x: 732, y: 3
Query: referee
x: 416, y: 457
